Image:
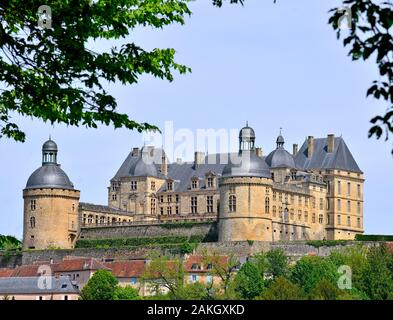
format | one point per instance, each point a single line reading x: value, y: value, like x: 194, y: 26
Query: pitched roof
x: 103, y: 209
x: 81, y: 264
x: 26, y: 271
x: 36, y: 285
x: 5, y: 272
x: 127, y: 269
x: 202, y: 262
x: 340, y: 158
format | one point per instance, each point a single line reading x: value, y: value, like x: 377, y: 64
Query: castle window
x: 348, y: 221
x: 358, y: 208
x: 292, y: 214
x: 267, y: 205
x: 194, y: 184
x: 33, y: 205
x: 299, y: 215
x: 90, y: 219
x: 349, y: 206
x: 210, y: 182
x: 338, y: 219
x: 210, y: 204
x: 359, y: 191
x: 321, y: 204
x: 153, y: 186
x: 194, y: 205
x: 280, y: 212
x: 73, y: 207
x: 134, y: 185
x: 114, y: 197
x: 359, y: 223
x: 32, y: 222
x: 306, y: 216
x: 313, y: 203
x: 84, y: 219
x: 162, y: 211
x: 177, y: 198
x: 169, y: 198
x: 339, y: 187
x: 274, y: 211
x: 153, y: 206
x: 102, y: 220
x: 280, y: 196
x: 313, y: 218
x: 338, y: 204
x: 300, y: 200
x: 96, y: 219
x: 177, y: 210
x: 169, y: 185
x: 162, y: 199
x: 274, y: 195
x: 349, y: 188
x: 320, y: 218
x: 169, y: 211
x: 232, y: 203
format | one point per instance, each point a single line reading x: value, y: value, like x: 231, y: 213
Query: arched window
x: 32, y: 222
x: 232, y: 204
x: 267, y: 205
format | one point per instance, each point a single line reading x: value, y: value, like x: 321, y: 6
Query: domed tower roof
x: 49, y: 175
x: 145, y: 166
x: 247, y: 163
x: 280, y: 158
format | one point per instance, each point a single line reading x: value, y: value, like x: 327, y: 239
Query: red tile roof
x: 127, y: 269
x: 5, y: 273
x: 26, y: 271
x: 78, y: 264
x: 202, y: 262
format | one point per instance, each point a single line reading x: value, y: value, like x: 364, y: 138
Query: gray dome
x: 250, y: 166
x: 280, y: 158
x: 247, y: 134
x: 49, y: 176
x: 280, y: 139
x: 49, y: 145
x: 145, y: 166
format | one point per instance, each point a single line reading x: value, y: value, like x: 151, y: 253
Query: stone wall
x: 208, y: 229
x: 10, y: 261
x: 240, y: 249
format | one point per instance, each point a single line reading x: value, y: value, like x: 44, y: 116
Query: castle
x: 315, y: 193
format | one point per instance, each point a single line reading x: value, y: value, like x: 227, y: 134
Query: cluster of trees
x: 9, y: 243
x: 356, y: 273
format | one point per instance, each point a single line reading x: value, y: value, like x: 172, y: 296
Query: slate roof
x: 102, y: 209
x: 340, y: 158
x: 50, y: 175
x: 183, y: 173
x: 30, y: 285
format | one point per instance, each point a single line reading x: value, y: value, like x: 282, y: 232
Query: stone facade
x: 315, y: 193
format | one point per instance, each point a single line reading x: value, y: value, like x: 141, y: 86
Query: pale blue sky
x: 274, y: 65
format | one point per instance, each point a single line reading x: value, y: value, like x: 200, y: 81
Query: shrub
x: 373, y: 237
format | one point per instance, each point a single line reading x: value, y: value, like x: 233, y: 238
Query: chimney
x: 330, y: 143
x: 164, y: 164
x: 310, y: 146
x: 135, y: 152
x: 199, y: 159
x: 259, y: 152
x: 295, y: 149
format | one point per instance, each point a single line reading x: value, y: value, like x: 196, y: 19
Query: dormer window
x: 134, y: 185
x: 195, y: 266
x: 169, y: 185
x: 210, y: 182
x: 194, y: 184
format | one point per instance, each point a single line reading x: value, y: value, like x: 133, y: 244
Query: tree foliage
x: 126, y: 293
x: 48, y: 70
x: 101, y: 286
x: 370, y: 36
x: 283, y: 289
x: 9, y: 243
x: 249, y: 282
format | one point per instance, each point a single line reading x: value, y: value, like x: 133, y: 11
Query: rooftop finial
x: 280, y: 131
x: 247, y: 123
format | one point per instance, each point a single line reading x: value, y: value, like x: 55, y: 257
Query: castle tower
x: 244, y: 187
x: 50, y: 205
